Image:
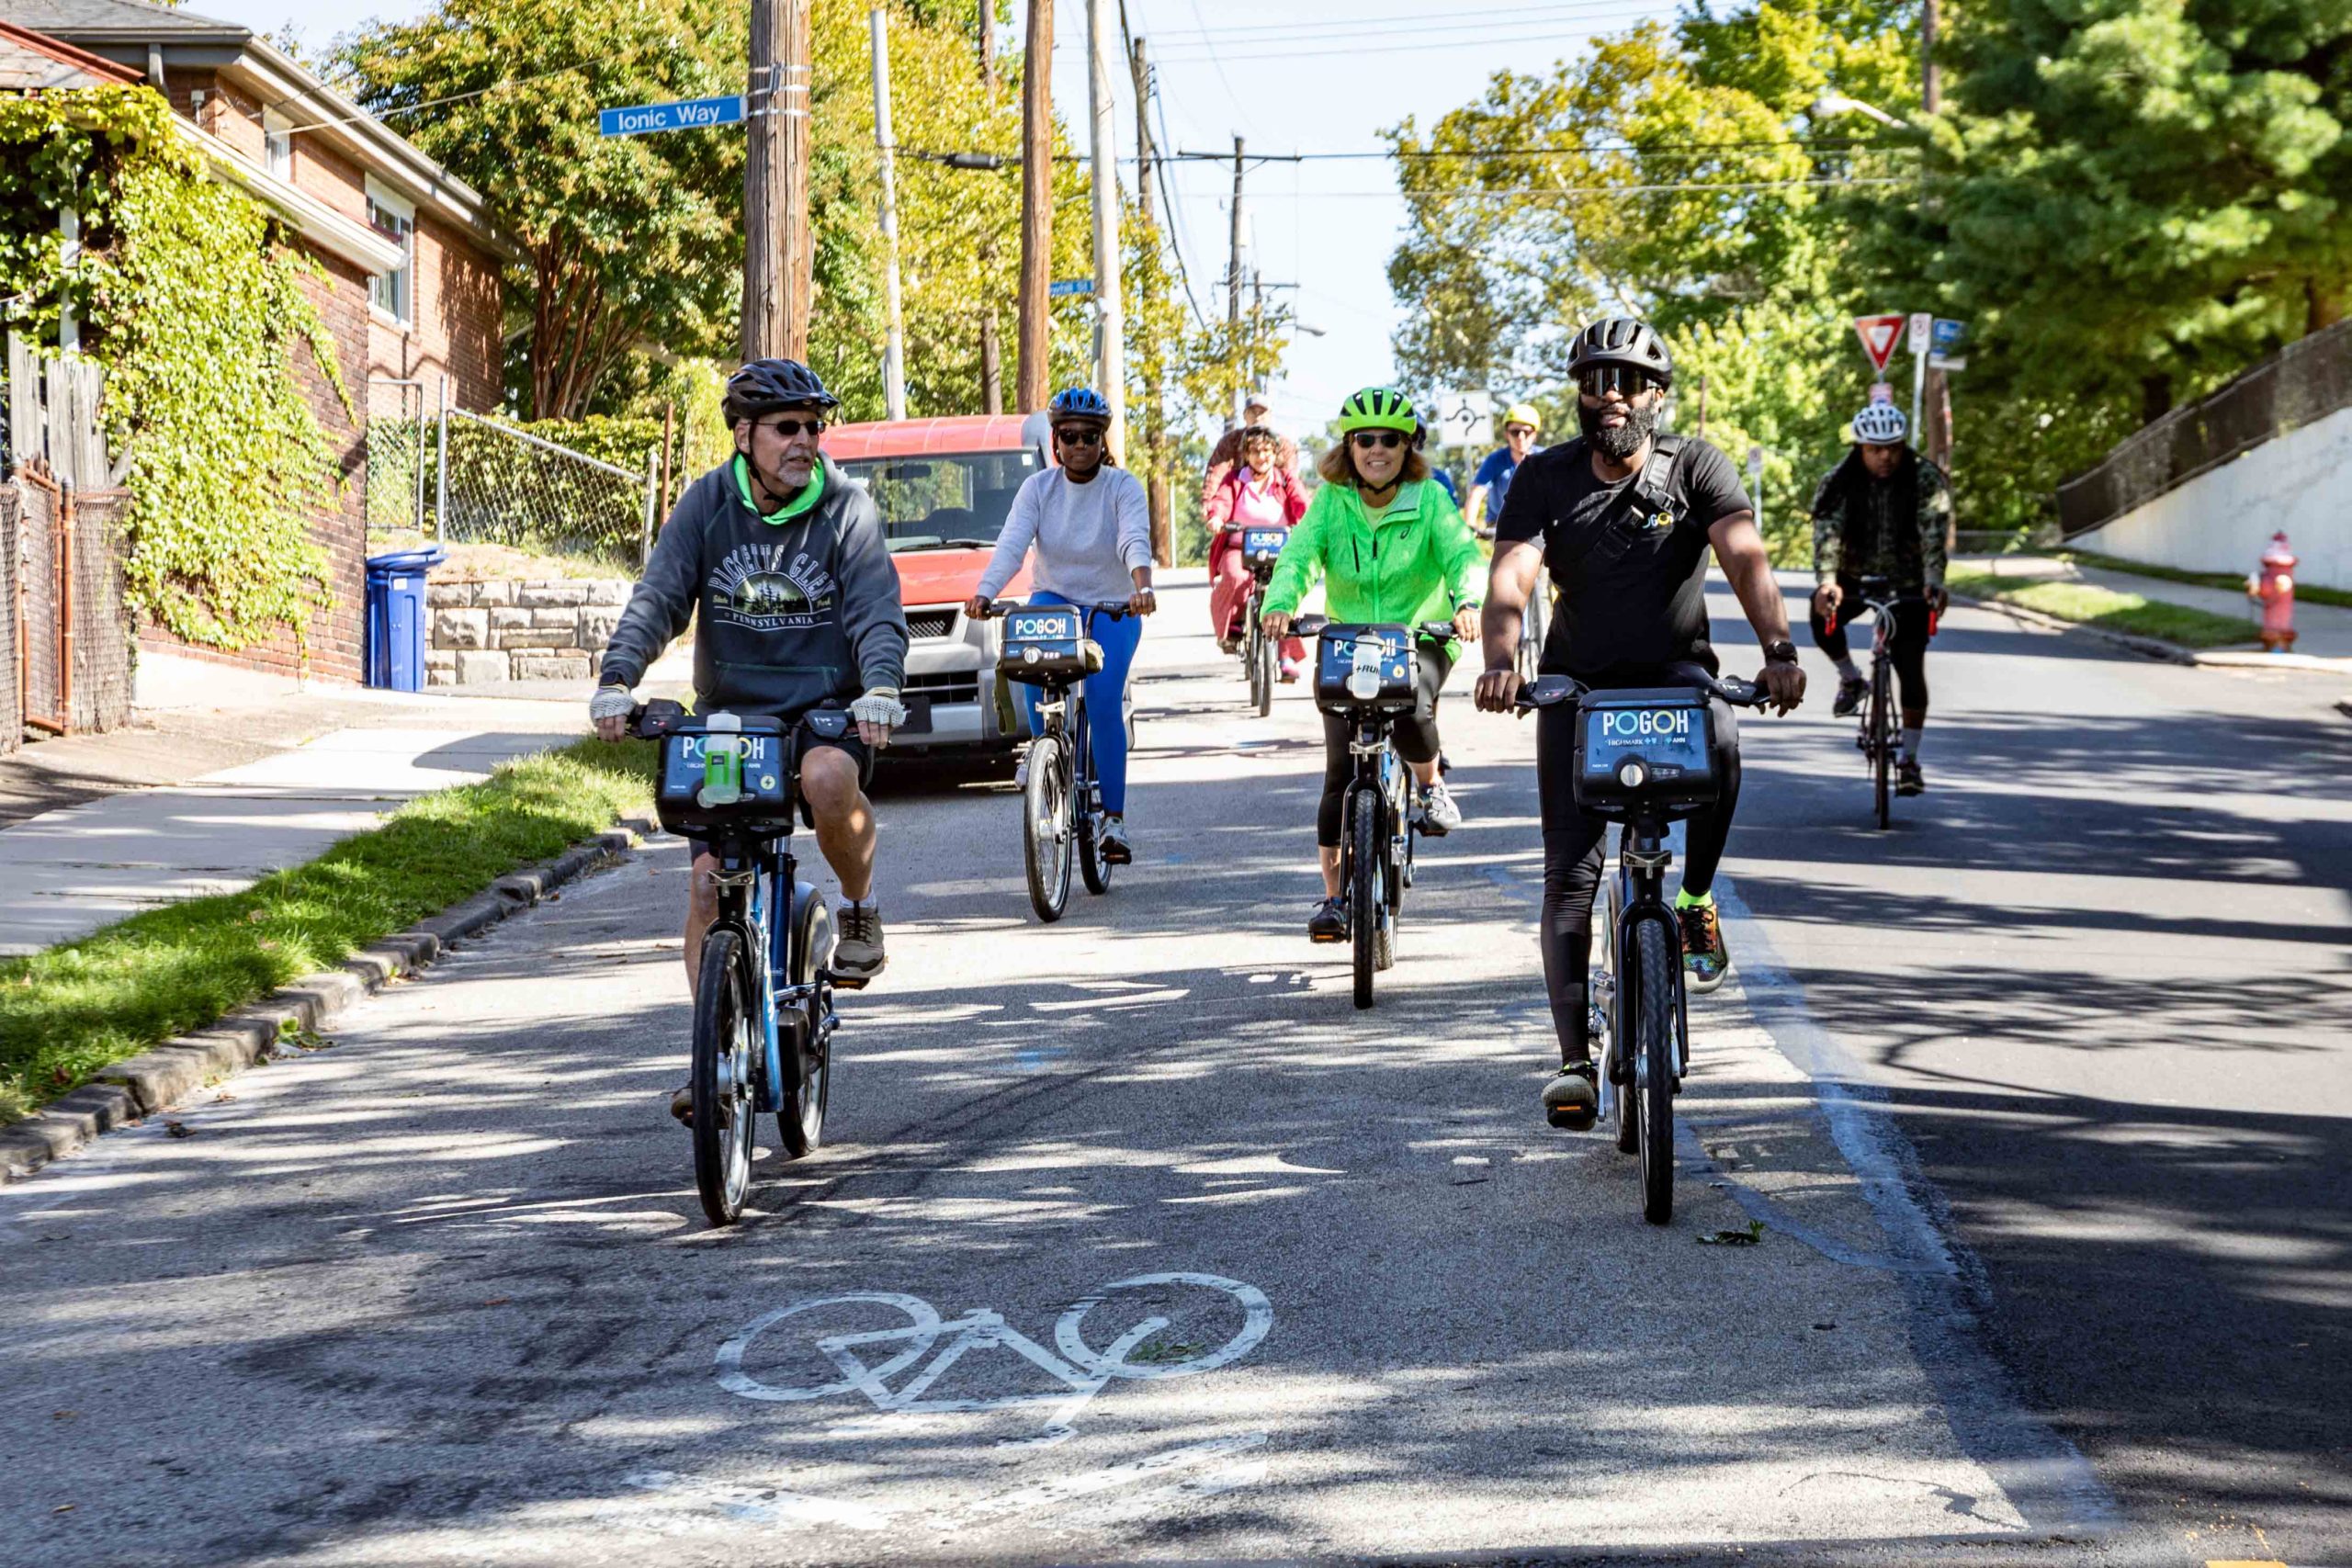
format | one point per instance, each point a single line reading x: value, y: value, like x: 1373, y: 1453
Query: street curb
x: 2146, y: 646
x: 154, y: 1080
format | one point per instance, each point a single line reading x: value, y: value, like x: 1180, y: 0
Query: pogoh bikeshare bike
x: 1061, y: 819
x: 1365, y: 674
x: 1643, y: 759
x: 764, y: 998
x: 1877, y: 738
x: 1260, y: 549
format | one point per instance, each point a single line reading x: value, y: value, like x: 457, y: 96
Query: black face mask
x: 1622, y: 443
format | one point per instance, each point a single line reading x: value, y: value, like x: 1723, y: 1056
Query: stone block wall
x: 485, y: 631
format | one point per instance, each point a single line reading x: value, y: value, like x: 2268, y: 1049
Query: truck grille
x: 930, y: 623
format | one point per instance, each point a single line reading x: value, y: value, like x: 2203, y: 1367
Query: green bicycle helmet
x: 1378, y: 408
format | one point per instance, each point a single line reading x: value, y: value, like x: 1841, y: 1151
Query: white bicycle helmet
x: 1881, y: 424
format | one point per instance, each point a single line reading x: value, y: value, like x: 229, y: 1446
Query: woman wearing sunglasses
x: 1090, y: 527
x: 1390, y: 549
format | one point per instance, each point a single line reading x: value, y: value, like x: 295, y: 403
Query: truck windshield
x: 942, y: 500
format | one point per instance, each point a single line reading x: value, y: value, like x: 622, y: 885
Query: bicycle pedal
x: 841, y: 981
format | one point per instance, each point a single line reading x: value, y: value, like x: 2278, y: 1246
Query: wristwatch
x: 1781, y: 652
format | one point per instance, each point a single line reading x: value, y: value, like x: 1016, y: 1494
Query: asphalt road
x: 2036, y: 1261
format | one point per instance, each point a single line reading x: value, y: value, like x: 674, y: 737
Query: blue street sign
x: 1062, y: 286
x: 1947, y: 335
x: 690, y: 114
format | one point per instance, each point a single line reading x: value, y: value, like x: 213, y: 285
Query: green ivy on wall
x: 193, y: 301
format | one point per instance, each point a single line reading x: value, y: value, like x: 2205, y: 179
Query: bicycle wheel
x: 1085, y: 809
x: 1610, y: 1050
x: 1653, y: 1040
x: 1262, y: 671
x: 1881, y: 741
x: 725, y: 1044
x: 808, y: 1068
x: 1044, y: 827
x: 1364, y: 853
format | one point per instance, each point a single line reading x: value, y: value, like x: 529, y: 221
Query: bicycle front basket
x: 1360, y: 666
x: 1260, y: 546
x: 1648, y: 747
x: 1047, y: 643
x: 694, y: 798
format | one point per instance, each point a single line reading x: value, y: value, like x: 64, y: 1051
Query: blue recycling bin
x: 396, y: 617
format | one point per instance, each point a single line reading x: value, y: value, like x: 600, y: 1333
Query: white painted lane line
x: 761, y: 1504
x: 1072, y: 1488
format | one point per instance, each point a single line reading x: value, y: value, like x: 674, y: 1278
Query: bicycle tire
x: 1654, y: 1070
x: 1882, y: 743
x: 1364, y: 901
x: 809, y: 1074
x: 1045, y: 827
x: 1085, y: 796
x: 720, y: 1083
x: 1627, y: 1122
x: 1261, y: 672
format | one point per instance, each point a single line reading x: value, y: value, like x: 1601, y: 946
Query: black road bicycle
x: 1644, y: 758
x: 1061, y: 820
x: 1260, y: 549
x: 1877, y: 738
x: 1365, y: 673
x: 763, y: 999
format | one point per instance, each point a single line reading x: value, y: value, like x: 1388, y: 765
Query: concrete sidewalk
x: 2324, y: 631
x: 227, y: 775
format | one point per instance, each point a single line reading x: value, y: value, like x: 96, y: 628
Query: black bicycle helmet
x: 767, y: 385
x: 1623, y: 340
x: 1081, y: 402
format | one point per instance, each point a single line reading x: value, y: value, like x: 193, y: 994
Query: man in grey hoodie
x: 780, y: 560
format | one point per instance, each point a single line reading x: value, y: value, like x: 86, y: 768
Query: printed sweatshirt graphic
x: 790, y: 613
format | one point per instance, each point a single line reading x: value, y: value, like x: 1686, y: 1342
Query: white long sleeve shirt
x: 1089, y: 537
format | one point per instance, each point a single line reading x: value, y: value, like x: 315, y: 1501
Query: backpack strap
x: 1651, y: 490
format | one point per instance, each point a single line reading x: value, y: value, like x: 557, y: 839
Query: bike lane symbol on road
x: 1073, y: 1365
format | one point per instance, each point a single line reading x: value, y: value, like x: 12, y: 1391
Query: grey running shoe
x: 1113, y: 841
x: 1572, y: 1100
x: 857, y: 953
x: 1440, y: 815
x: 1909, y: 779
x: 1850, y: 692
x: 1329, y: 921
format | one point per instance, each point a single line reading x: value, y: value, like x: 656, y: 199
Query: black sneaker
x: 1572, y: 1100
x: 1851, y: 690
x: 1908, y: 780
x: 1706, y: 959
x: 1112, y: 839
x: 1329, y: 921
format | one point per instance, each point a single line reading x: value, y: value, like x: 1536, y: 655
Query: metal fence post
x: 441, y: 465
x: 653, y: 491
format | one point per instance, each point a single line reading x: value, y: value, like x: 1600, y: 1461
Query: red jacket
x: 1218, y: 504
x: 1226, y: 457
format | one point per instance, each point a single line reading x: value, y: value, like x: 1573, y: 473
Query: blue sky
x: 1305, y: 78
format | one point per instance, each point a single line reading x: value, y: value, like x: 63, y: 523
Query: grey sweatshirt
x: 1090, y: 537
x: 789, y: 613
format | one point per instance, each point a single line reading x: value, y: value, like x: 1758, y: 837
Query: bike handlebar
x: 999, y: 608
x: 1550, y: 691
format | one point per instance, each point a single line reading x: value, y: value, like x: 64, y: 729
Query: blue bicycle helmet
x: 766, y: 386
x: 1081, y: 402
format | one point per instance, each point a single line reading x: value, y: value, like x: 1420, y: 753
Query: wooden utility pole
x: 1109, y: 258
x: 777, y: 251
x: 1936, y: 439
x: 1233, y: 297
x: 1036, y: 204
x: 885, y: 144
x: 987, y: 13
x: 1155, y: 413
x: 991, y: 352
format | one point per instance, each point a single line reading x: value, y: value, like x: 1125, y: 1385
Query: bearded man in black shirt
x: 1623, y: 518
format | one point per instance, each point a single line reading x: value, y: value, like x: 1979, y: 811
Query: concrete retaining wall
x: 483, y: 632
x: 2223, y: 519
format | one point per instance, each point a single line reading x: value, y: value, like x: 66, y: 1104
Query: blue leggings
x: 1105, y: 692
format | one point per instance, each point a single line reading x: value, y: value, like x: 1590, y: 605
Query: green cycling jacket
x: 1417, y: 561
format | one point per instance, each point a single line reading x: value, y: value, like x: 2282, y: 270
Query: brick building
x: 409, y: 263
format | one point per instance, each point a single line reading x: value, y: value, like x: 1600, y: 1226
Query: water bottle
x: 722, y: 762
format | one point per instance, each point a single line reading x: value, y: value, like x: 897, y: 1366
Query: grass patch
x: 2234, y: 581
x: 72, y: 1010
x: 2104, y: 607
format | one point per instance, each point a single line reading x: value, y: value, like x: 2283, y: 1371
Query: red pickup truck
x: 945, y: 487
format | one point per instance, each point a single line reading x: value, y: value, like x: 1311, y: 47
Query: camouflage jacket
x: 1892, y: 528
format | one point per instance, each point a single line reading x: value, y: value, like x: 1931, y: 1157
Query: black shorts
x: 805, y: 740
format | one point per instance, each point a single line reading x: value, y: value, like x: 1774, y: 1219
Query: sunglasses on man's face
x: 1526, y: 430
x: 1384, y: 439
x: 788, y: 428
x: 1600, y: 380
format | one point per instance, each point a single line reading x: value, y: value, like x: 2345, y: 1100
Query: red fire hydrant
x: 2274, y: 585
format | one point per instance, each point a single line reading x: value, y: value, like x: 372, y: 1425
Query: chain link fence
x: 2303, y: 382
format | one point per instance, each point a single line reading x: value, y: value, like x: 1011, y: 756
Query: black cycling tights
x: 1415, y: 733
x: 1573, y: 845
x: 1908, y: 644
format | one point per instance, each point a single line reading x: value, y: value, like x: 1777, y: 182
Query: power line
x: 1644, y: 148
x: 1335, y: 51
x: 447, y: 98
x: 1316, y: 32
x: 1520, y: 191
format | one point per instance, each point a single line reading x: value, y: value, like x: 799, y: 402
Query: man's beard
x: 1619, y: 443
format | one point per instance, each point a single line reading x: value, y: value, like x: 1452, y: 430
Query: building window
x: 394, y: 293
x: 278, y: 144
